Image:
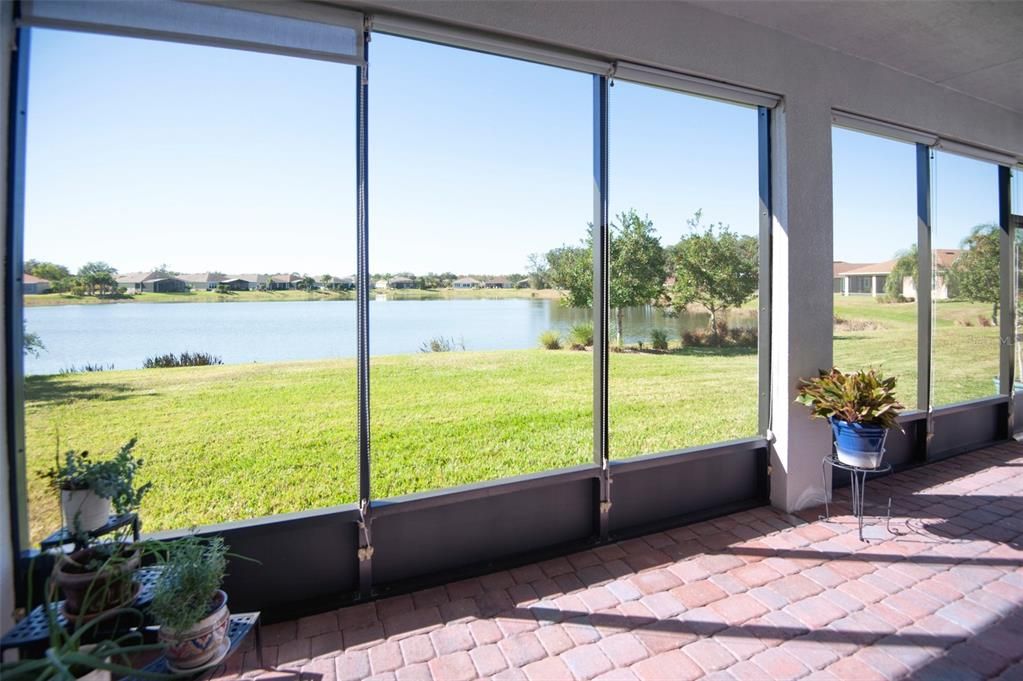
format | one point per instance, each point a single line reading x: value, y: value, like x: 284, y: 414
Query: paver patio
x: 753, y: 595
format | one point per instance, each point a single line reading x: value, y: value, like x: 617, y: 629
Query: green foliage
x: 714, y: 267
x: 864, y: 396
x: 86, y: 368
x: 974, y: 275
x: 441, y: 344
x: 32, y: 343
x: 52, y: 272
x: 97, y: 277
x: 306, y: 283
x: 112, y: 479
x: 185, y: 359
x: 193, y: 570
x: 659, y: 339
x: 638, y: 267
x: 581, y: 334
x: 906, y: 265
x: 551, y: 340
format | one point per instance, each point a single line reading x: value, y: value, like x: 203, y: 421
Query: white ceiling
x: 973, y: 46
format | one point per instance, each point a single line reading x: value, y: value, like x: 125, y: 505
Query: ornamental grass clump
x: 193, y: 571
x: 866, y: 397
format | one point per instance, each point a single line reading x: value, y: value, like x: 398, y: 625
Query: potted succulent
x: 189, y: 605
x: 89, y: 487
x: 861, y: 406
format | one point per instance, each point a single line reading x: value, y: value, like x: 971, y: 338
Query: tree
x: 95, y: 275
x: 32, y: 343
x: 326, y: 281
x: 49, y: 271
x: 713, y: 267
x: 907, y: 264
x: 638, y: 265
x: 975, y: 273
x: 306, y: 283
x: 538, y: 271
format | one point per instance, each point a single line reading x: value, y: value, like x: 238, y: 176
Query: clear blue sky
x: 143, y: 153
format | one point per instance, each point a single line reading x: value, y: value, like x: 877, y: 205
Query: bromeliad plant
x: 863, y: 397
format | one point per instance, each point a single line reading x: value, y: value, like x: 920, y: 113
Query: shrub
x: 193, y: 570
x: 659, y: 339
x: 888, y: 299
x: 865, y: 397
x: 582, y: 334
x: 441, y: 344
x: 85, y: 369
x: 550, y: 340
x: 725, y: 337
x: 185, y: 359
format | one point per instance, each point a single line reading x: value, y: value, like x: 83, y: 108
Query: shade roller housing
x: 977, y: 153
x: 482, y: 42
x: 294, y: 29
x: 671, y: 80
x: 871, y: 126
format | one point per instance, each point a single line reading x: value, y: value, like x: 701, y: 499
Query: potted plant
x: 89, y: 487
x: 97, y: 578
x: 861, y: 406
x: 189, y: 605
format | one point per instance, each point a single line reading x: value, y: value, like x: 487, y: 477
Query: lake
x: 125, y: 334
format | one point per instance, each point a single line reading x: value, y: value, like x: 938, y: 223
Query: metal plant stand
x: 858, y: 479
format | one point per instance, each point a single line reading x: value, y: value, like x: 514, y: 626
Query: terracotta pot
x: 88, y: 594
x: 201, y: 643
x: 90, y: 510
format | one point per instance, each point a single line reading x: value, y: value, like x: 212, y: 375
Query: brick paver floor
x: 754, y: 595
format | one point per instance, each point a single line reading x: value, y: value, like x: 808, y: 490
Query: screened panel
x: 481, y: 194
x: 684, y: 268
x: 875, y: 257
x: 965, y: 279
x: 179, y: 216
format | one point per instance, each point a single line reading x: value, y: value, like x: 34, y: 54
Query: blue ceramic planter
x: 857, y: 444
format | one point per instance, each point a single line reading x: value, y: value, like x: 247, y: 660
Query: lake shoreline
x: 59, y: 299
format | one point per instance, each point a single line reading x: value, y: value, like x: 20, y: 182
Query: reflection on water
x: 124, y: 335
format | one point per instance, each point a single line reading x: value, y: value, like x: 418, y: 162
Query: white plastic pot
x: 85, y: 507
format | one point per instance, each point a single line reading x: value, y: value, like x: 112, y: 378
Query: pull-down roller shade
x: 290, y: 28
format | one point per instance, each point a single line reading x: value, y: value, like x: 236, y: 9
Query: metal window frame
x: 924, y: 295
x: 1007, y: 294
x: 13, y: 305
x: 601, y: 254
x: 766, y: 255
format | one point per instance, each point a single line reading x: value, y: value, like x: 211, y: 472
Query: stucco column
x: 802, y: 293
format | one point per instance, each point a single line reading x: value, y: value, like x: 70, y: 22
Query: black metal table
x: 115, y: 522
x: 31, y: 633
x: 858, y: 477
x: 240, y: 625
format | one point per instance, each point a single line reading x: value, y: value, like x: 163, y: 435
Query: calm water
x: 126, y: 334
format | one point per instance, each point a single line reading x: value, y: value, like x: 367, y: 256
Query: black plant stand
x: 858, y: 478
x: 62, y: 536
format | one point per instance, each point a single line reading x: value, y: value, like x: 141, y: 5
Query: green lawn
x: 231, y: 442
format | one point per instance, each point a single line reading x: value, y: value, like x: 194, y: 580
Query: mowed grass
x: 232, y: 442
x: 965, y: 357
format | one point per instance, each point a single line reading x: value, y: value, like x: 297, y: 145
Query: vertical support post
x: 1007, y: 294
x: 924, y: 308
x: 764, y: 289
x: 601, y: 299
x: 362, y: 315
x: 14, y: 328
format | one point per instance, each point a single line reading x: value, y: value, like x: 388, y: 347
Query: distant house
x: 466, y: 283
x: 151, y: 282
x: 839, y: 268
x: 380, y: 284
x: 400, y: 282
x: 202, y: 281
x: 497, y: 282
x: 31, y: 284
x: 522, y: 283
x: 246, y: 282
x: 339, y: 284
x: 284, y: 282
x: 871, y: 279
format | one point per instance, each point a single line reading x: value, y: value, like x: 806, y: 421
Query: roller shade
x: 978, y: 153
x: 481, y: 42
x: 868, y: 125
x: 693, y: 85
x: 295, y: 29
